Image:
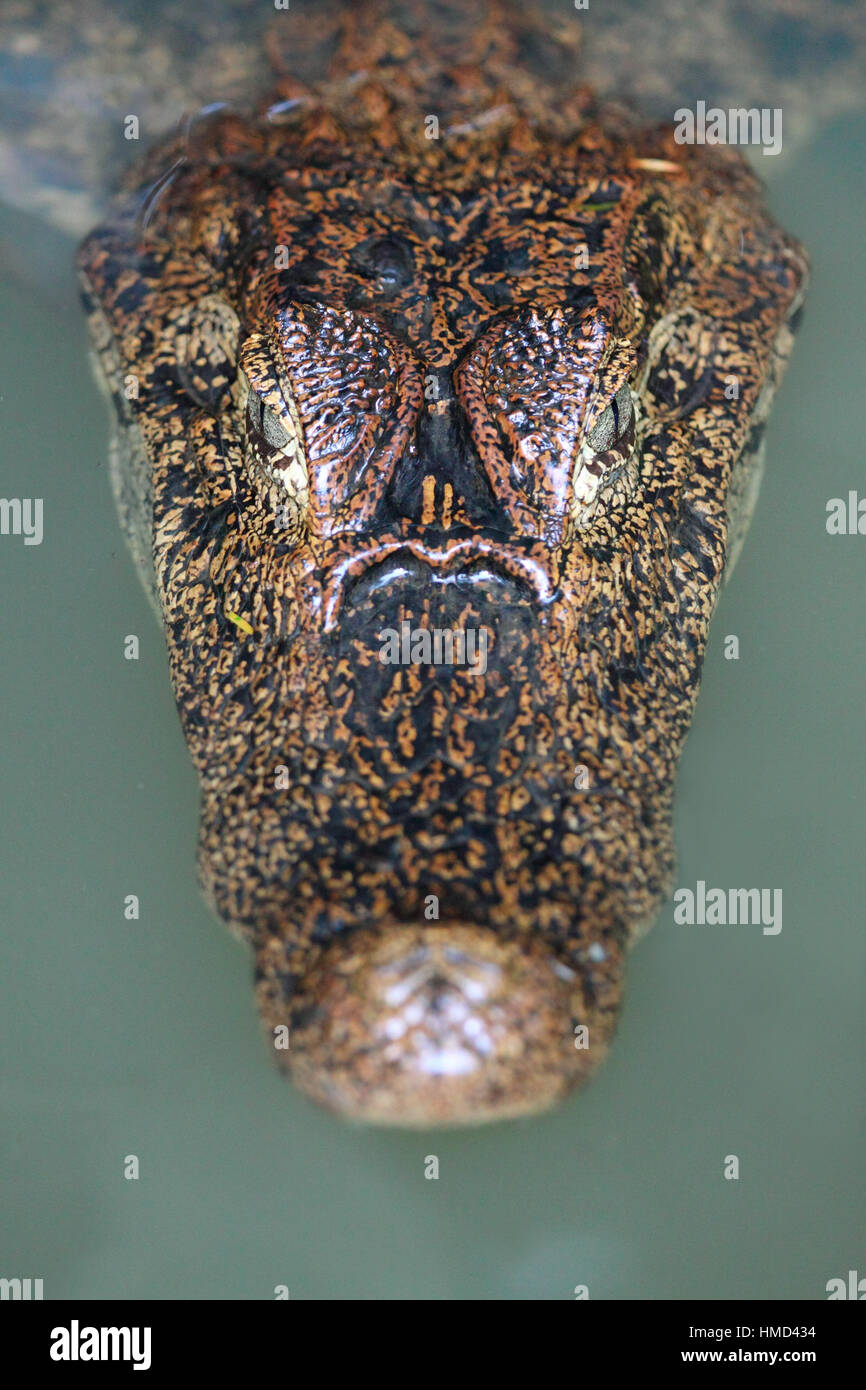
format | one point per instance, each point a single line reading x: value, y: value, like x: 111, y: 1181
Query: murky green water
x: 141, y: 1038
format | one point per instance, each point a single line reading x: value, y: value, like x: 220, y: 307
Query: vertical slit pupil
x: 254, y: 410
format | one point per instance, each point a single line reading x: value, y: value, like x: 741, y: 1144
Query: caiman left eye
x: 276, y: 461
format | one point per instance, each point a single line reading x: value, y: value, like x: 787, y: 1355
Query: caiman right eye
x: 275, y: 457
x: 613, y: 425
x: 265, y: 422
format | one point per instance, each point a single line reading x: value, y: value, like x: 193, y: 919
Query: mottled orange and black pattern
x: 505, y: 370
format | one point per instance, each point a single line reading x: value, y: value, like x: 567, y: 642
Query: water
x: 140, y: 1038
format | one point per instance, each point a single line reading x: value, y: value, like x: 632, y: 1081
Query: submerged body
x: 437, y: 345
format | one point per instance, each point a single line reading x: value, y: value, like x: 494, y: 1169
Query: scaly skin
x: 357, y: 371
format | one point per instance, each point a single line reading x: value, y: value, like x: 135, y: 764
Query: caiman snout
x: 438, y: 1025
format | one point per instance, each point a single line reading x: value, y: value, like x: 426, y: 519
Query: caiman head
x: 440, y: 397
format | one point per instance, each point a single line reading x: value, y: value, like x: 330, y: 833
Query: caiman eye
x: 263, y: 421
x: 614, y: 423
x: 605, y: 459
x: 274, y: 455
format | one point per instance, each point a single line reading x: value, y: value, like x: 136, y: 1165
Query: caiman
x: 431, y: 350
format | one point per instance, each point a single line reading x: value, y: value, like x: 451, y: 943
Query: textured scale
x: 367, y: 366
